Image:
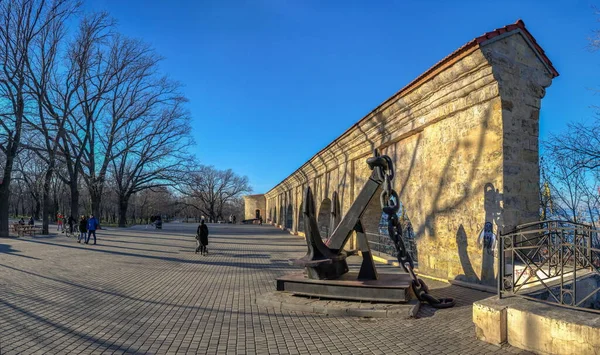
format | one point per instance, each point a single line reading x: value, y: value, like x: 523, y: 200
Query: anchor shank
x: 340, y: 235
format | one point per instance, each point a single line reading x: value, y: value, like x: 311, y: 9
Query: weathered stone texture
x: 253, y: 203
x: 537, y: 327
x: 465, y: 147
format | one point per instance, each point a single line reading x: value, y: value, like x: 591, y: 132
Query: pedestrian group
x: 87, y: 228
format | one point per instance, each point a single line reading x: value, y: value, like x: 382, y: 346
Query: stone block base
x: 536, y: 326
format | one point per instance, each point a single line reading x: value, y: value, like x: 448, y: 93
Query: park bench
x: 22, y: 230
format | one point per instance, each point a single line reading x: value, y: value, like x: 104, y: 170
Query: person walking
x: 202, y: 238
x: 71, y: 221
x: 91, y: 226
x: 82, y: 229
x: 59, y: 222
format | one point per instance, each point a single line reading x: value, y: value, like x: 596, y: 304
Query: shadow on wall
x: 487, y: 241
x: 468, y: 151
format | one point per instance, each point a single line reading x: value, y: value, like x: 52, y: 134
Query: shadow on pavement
x: 7, y: 249
x: 465, y: 297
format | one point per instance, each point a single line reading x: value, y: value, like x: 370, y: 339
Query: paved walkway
x: 145, y: 291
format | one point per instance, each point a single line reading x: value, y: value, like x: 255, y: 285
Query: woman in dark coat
x: 82, y: 229
x: 202, y: 238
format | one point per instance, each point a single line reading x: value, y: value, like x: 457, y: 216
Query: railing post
x: 589, y: 249
x: 500, y: 265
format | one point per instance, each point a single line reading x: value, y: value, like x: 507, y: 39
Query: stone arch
x: 301, y: 218
x: 324, y: 218
x: 289, y: 217
x: 274, y: 215
x: 281, y: 215
x: 257, y: 213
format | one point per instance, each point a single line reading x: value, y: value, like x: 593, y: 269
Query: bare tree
x: 580, y: 141
x: 210, y: 190
x: 80, y: 93
x: 567, y: 185
x: 130, y: 97
x: 153, y: 148
x: 591, y: 200
x: 22, y: 23
x: 53, y: 94
x: 30, y: 173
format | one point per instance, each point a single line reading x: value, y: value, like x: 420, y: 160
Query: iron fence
x: 381, y: 243
x: 551, y: 261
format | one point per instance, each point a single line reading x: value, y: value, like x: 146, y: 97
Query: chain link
x: 390, y: 205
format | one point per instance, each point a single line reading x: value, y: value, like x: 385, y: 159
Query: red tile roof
x: 474, y: 44
x: 517, y: 25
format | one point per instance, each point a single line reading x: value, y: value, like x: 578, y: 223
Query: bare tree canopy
x: 88, y: 121
x: 570, y: 174
x: 580, y: 144
x: 29, y: 30
x: 210, y: 190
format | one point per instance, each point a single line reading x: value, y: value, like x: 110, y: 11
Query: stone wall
x: 253, y: 203
x: 464, y: 141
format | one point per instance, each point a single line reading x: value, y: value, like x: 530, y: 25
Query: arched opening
x: 289, y: 217
x: 281, y: 213
x: 384, y: 243
x: 274, y: 219
x: 257, y: 213
x: 324, y: 218
x: 301, y: 218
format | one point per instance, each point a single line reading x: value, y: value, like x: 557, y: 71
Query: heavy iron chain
x: 390, y: 205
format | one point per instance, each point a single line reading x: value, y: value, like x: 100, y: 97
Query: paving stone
x: 144, y: 291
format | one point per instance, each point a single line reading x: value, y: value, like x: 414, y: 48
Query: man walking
x: 202, y: 238
x: 91, y: 226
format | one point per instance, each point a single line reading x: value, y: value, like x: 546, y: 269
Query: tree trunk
x: 4, y: 210
x: 46, y: 200
x: 96, y: 200
x: 74, y: 201
x: 38, y: 207
x: 123, y: 204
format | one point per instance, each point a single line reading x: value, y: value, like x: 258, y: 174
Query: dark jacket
x: 83, y: 225
x: 202, y: 234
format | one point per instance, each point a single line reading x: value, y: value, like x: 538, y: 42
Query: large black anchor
x: 327, y: 261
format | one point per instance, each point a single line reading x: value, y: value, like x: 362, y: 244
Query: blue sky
x: 271, y: 82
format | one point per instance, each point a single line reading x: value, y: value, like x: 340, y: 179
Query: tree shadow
x: 141, y: 243
x: 100, y: 342
x: 8, y: 249
x: 170, y: 258
x: 486, y: 242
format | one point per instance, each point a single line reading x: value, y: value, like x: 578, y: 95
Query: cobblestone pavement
x: 142, y: 291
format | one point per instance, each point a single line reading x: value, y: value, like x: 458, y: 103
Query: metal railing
x: 324, y: 231
x: 557, y: 262
x: 381, y: 243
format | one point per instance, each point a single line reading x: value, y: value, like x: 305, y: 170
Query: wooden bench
x: 22, y: 230
x: 15, y: 227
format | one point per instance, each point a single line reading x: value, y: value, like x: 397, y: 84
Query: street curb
x: 286, y: 301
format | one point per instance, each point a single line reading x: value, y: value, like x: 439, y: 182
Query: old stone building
x: 254, y: 206
x: 464, y: 140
